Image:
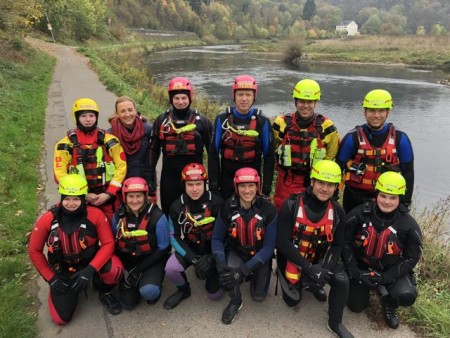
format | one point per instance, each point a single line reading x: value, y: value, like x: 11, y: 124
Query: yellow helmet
x: 378, y: 99
x: 327, y: 171
x: 307, y: 89
x: 73, y: 185
x: 392, y: 183
x: 84, y: 104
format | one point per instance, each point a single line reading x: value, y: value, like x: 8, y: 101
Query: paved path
x: 196, y: 316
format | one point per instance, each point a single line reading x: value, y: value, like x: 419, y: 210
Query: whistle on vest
x: 258, y: 233
x: 390, y: 248
x: 329, y: 233
x: 82, y: 242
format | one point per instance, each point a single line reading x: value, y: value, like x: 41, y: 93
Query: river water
x: 421, y: 106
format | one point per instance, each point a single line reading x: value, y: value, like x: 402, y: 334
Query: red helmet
x: 134, y: 184
x: 181, y: 83
x: 246, y: 175
x: 244, y: 82
x: 194, y: 172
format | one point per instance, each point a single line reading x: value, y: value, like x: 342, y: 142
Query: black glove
x: 312, y: 286
x: 319, y: 274
x: 133, y: 278
x: 58, y: 285
x: 82, y: 279
x: 203, y: 266
x: 229, y: 278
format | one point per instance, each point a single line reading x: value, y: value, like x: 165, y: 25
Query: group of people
x: 108, y: 229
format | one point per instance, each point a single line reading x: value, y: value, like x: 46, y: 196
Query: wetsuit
x: 353, y: 196
x: 176, y: 153
x: 196, y: 241
x: 145, y: 256
x: 63, y: 263
x: 396, y: 268
x: 221, y: 170
x: 327, y: 256
x: 254, y: 260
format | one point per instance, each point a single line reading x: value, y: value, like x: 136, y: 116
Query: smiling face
x: 127, y: 113
x: 180, y: 101
x: 305, y: 108
x: 244, y: 99
x: 387, y: 202
x: 323, y: 190
x: 247, y: 193
x: 71, y: 203
x: 135, y: 201
x: 376, y: 117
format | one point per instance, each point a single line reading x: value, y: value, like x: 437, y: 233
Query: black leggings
x: 402, y: 292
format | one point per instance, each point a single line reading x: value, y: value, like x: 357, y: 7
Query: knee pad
x: 341, y: 278
x: 216, y: 295
x: 174, y: 271
x: 111, y: 273
x: 407, y: 298
x: 150, y: 291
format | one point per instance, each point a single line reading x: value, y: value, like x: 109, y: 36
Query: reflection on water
x: 421, y: 107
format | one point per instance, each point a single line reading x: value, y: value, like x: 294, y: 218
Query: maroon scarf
x: 130, y: 140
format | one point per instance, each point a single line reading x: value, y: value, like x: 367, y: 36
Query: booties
x: 184, y: 291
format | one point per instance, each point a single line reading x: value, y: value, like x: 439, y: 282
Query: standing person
x: 181, y: 133
x: 373, y: 148
x: 191, y: 224
x: 383, y: 245
x: 133, y: 131
x: 242, y: 137
x: 142, y: 243
x: 243, y: 241
x: 310, y: 241
x: 301, y: 138
x: 93, y: 153
x: 73, y: 233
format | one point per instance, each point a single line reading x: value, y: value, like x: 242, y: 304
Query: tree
x: 372, y: 25
x: 17, y: 16
x: 309, y: 10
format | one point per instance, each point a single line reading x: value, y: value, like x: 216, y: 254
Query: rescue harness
x: 182, y: 140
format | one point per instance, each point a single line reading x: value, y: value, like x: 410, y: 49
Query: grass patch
x: 24, y: 79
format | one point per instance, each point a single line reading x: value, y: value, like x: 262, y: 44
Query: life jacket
x: 311, y: 239
x: 195, y: 231
x: 370, y: 162
x: 239, y: 147
x: 179, y: 141
x: 299, y: 146
x: 246, y: 237
x: 377, y: 247
x: 69, y: 253
x: 134, y: 246
x: 91, y: 161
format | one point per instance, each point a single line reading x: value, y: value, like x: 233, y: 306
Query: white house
x: 351, y: 27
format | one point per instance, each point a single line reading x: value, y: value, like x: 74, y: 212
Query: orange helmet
x: 244, y: 82
x: 246, y: 175
x: 194, y: 172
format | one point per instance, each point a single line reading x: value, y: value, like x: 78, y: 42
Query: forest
x: 81, y: 20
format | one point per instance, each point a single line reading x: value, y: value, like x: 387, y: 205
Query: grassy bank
x: 24, y: 79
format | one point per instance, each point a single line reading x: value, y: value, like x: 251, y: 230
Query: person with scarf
x: 133, y: 131
x: 182, y: 134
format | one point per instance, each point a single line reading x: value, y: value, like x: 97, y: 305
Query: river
x: 421, y: 106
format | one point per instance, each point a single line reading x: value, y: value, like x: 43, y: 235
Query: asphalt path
x: 196, y: 316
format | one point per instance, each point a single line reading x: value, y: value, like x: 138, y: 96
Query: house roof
x: 345, y: 23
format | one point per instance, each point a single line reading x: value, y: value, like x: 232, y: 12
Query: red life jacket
x: 138, y: 245
x: 376, y: 246
x: 69, y: 252
x: 247, y: 237
x: 372, y: 161
x: 181, y: 143
x: 310, y: 238
x: 240, y: 148
x: 200, y: 236
x: 85, y: 153
x: 300, y: 140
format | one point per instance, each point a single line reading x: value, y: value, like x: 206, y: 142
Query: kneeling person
x: 243, y: 241
x: 310, y: 241
x: 383, y: 244
x: 191, y: 223
x: 142, y: 243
